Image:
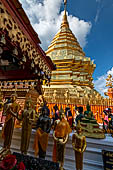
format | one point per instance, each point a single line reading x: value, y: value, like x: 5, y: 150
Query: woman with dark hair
x: 105, y: 121
x: 80, y: 116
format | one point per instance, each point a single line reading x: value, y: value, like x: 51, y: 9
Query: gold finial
x: 65, y: 4
x: 64, y: 21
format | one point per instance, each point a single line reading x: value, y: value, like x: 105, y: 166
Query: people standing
x: 69, y: 116
x: 105, y: 121
x: 80, y: 115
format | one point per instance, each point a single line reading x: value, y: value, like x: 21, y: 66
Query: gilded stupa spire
x: 65, y: 4
x: 65, y: 21
x: 73, y: 67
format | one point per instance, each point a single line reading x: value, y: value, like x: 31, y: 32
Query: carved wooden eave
x: 16, y: 29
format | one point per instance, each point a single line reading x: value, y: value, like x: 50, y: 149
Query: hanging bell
x: 13, y: 60
x: 39, y: 73
x: 23, y: 66
x: 15, y: 51
x: 2, y: 40
x: 24, y: 58
x: 1, y: 50
x: 36, y: 71
x: 32, y: 64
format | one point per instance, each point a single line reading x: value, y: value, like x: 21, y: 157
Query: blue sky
x: 90, y: 20
x: 100, y: 39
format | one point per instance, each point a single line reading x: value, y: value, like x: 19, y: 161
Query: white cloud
x: 100, y: 83
x: 80, y: 28
x: 111, y: 71
x: 46, y: 18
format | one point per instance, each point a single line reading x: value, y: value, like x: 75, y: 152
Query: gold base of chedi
x: 72, y: 95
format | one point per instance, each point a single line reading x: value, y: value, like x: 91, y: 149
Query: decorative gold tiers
x: 71, y: 82
x: 72, y: 65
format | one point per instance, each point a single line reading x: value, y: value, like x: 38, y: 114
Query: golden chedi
x: 73, y: 68
x: 73, y: 76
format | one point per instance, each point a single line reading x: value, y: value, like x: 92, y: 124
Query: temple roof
x: 14, y: 7
x: 21, y: 56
